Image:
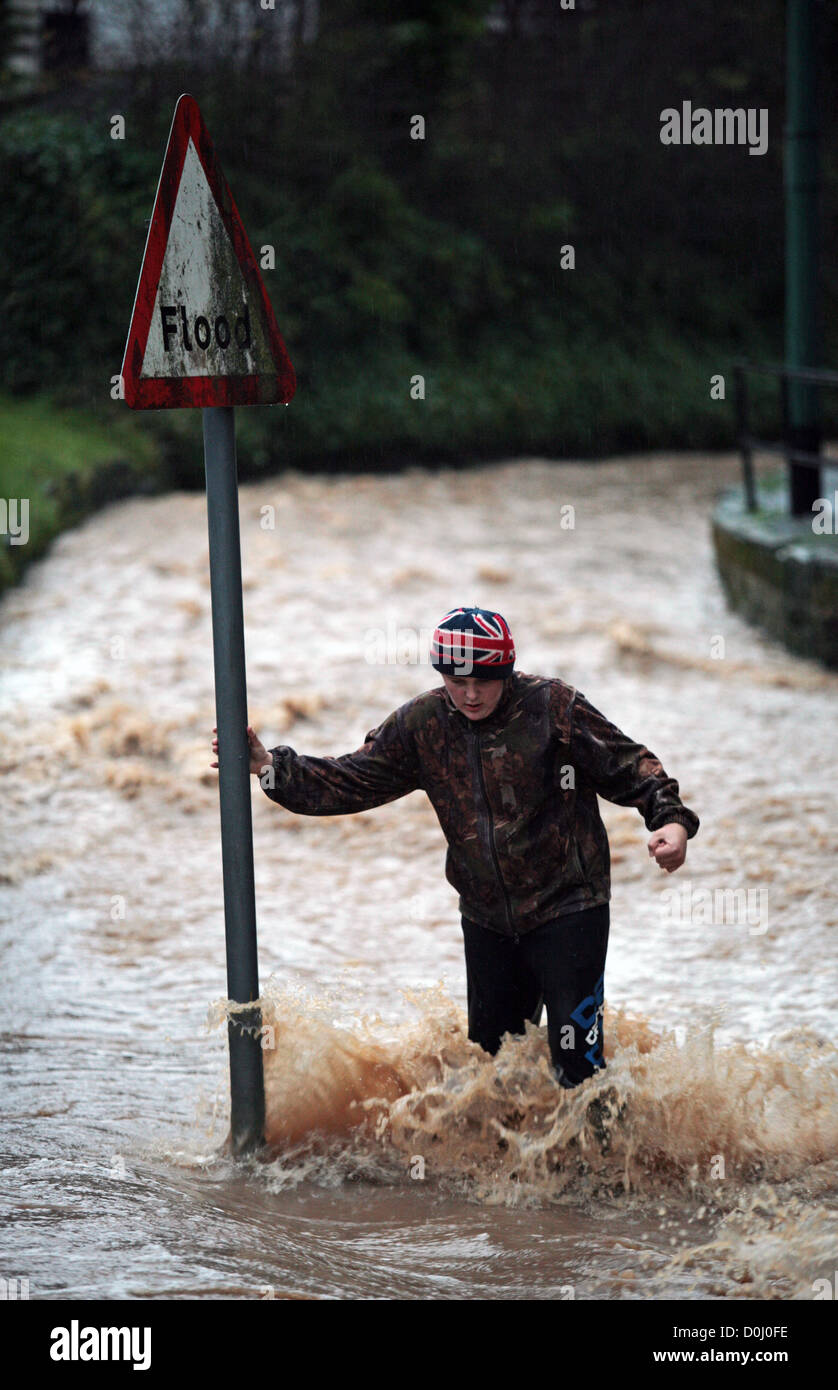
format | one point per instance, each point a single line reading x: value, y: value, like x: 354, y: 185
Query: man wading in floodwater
x: 512, y: 765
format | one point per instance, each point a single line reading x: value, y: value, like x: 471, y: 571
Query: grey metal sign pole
x: 247, y: 1089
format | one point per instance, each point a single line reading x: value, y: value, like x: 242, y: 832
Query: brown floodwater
x: 406, y: 1162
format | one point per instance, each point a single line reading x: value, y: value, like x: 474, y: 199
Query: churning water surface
x: 406, y: 1162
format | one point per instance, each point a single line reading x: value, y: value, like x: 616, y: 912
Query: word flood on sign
x: 205, y: 331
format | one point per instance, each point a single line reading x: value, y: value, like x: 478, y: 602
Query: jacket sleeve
x: 384, y: 768
x: 624, y: 772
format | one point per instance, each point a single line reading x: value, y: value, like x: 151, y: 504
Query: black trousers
x: 561, y: 965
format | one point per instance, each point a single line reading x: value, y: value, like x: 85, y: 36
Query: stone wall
x: 778, y: 573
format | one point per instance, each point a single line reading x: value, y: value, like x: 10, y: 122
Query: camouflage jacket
x: 515, y: 793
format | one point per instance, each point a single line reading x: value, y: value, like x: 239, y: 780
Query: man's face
x: 476, y: 698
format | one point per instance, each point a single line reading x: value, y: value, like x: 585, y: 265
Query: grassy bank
x: 509, y: 398
x: 66, y: 463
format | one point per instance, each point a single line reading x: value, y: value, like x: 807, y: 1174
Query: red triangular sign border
x: 155, y: 393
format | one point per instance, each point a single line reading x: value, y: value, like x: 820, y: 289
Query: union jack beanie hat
x: 473, y: 642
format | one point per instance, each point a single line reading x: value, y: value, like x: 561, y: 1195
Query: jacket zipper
x: 477, y: 747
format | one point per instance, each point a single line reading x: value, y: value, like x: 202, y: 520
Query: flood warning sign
x: 203, y: 331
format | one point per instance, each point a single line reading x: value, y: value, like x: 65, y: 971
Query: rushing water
x: 405, y: 1162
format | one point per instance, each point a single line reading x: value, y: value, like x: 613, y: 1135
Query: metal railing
x: 793, y: 452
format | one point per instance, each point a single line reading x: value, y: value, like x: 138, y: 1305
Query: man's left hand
x: 668, y: 845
